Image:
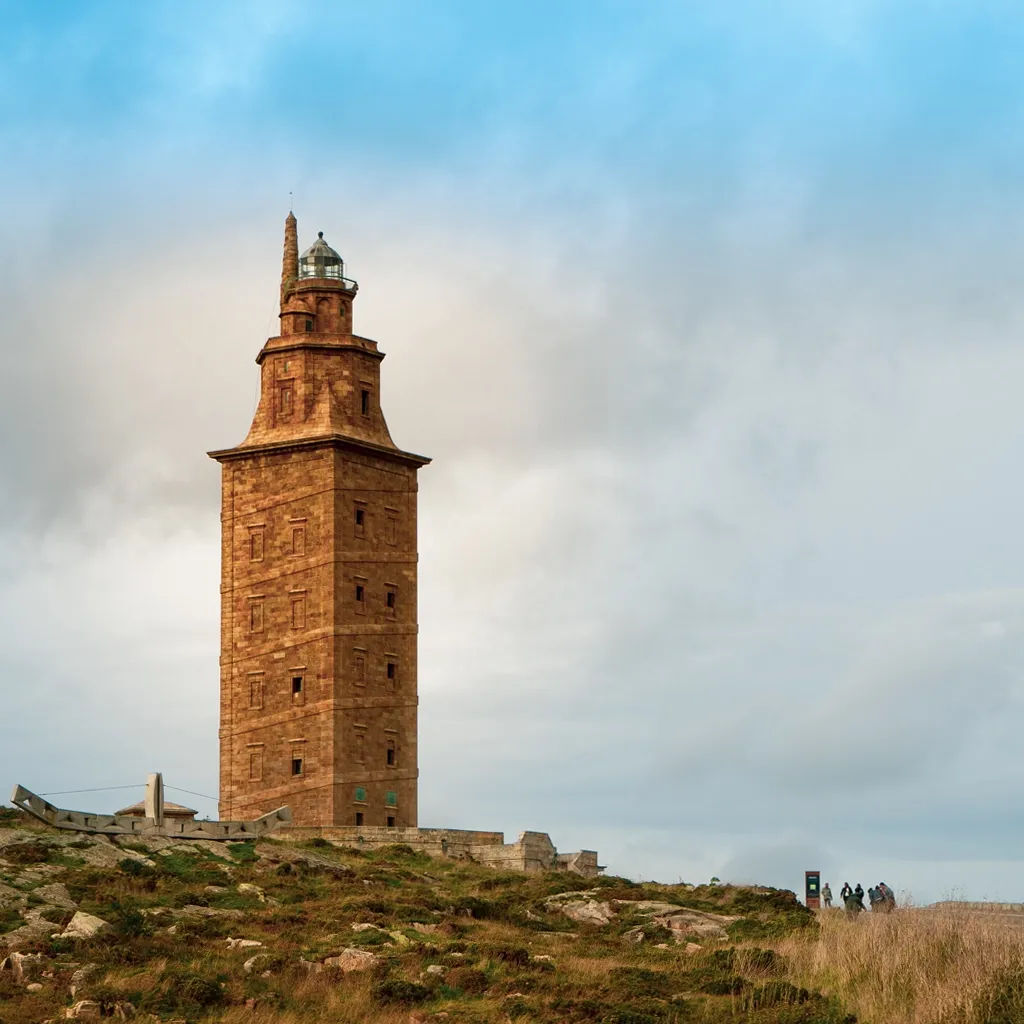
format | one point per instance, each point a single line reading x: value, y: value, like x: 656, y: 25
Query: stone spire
x: 290, y: 264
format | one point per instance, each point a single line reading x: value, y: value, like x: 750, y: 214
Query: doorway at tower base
x: 533, y: 851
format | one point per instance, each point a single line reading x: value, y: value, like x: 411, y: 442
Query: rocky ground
x: 159, y: 930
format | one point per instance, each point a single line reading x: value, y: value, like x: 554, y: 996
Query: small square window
x: 309, y: 325
x: 296, y: 766
x: 391, y: 799
x: 360, y: 795
x: 359, y: 817
x: 364, y: 402
x: 391, y: 821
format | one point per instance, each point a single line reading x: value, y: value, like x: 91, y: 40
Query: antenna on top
x: 291, y: 203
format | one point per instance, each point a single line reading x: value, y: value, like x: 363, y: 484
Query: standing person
x: 826, y: 896
x: 888, y: 895
x: 846, y: 892
x: 875, y: 898
x: 858, y: 895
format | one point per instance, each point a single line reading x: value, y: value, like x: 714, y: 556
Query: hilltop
x: 162, y: 930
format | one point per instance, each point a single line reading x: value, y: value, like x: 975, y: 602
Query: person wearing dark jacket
x: 845, y: 891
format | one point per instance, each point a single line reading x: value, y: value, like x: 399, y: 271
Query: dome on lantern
x: 321, y: 261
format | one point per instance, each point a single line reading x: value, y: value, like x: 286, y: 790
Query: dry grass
x: 916, y: 966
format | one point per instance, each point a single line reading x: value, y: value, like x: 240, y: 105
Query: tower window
x: 360, y: 795
x: 359, y: 592
x: 255, y: 765
x: 359, y: 817
x: 392, y: 670
x: 392, y: 600
x: 364, y: 401
x: 360, y: 757
x: 284, y: 403
x: 391, y: 799
x: 256, y: 545
x: 359, y: 668
x: 391, y: 754
x: 256, y: 692
x: 296, y: 766
x: 391, y: 821
x: 360, y: 517
x: 298, y: 613
x: 256, y: 617
x: 390, y: 528
x: 296, y: 685
x: 309, y: 326
x: 298, y: 540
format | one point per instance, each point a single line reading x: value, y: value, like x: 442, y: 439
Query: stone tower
x: 318, y: 690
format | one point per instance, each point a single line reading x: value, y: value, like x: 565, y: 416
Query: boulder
x: 24, y: 966
x: 248, y: 889
x: 586, y: 911
x: 352, y: 960
x: 365, y: 926
x: 79, y: 978
x: 435, y: 969
x: 250, y: 965
x: 84, y: 926
x: 242, y: 943
x: 84, y: 1009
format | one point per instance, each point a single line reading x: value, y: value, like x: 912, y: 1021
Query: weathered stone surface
x: 365, y: 926
x: 435, y: 969
x: 56, y: 895
x: 34, y: 929
x: 586, y: 911
x: 682, y: 921
x: 194, y: 911
x: 34, y: 986
x: 243, y: 943
x: 84, y: 1009
x: 24, y: 967
x: 352, y: 960
x: 82, y: 975
x: 84, y: 926
x: 253, y: 962
x: 248, y: 889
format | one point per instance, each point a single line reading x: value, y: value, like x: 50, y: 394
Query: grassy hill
x: 336, y: 934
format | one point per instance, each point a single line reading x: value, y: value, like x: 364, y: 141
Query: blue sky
x: 710, y: 317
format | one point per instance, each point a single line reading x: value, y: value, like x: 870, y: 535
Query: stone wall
x: 533, y: 851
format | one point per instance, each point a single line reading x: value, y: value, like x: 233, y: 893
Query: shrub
x: 136, y: 869
x: 395, y: 990
x: 9, y: 920
x: 777, y: 993
x: 639, y: 981
x: 318, y: 843
x: 511, y: 955
x: 628, y: 1016
x: 467, y: 979
x: 28, y: 853
x: 184, y: 991
x: 727, y: 985
x: 763, y: 961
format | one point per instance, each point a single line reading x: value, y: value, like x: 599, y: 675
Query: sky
x: 710, y: 318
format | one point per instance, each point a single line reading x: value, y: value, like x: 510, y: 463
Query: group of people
x: 881, y: 898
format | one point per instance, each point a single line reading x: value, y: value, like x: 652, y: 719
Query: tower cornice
x: 321, y: 343
x: 342, y: 441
